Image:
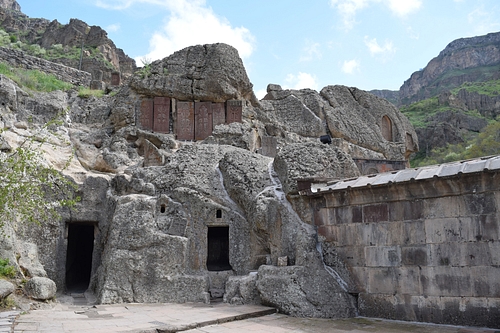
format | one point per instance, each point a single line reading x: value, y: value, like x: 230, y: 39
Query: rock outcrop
x: 40, y: 288
x: 101, y: 57
x: 212, y: 72
x: 461, y: 54
x: 172, y: 220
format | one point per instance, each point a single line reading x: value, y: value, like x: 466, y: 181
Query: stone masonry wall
x: 423, y: 250
x: 20, y: 59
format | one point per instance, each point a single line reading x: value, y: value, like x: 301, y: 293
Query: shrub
x: 6, y: 270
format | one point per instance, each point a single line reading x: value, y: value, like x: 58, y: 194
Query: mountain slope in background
x: 75, y: 44
x: 456, y: 96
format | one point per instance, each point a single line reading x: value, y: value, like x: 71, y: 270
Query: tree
x: 31, y: 189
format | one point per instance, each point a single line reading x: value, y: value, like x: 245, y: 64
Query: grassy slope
x: 485, y: 143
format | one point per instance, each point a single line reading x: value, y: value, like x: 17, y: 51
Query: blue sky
x: 369, y: 44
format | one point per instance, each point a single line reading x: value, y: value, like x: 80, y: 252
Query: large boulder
x: 212, y: 72
x: 6, y: 288
x: 349, y: 114
x: 40, y: 288
x: 304, y: 292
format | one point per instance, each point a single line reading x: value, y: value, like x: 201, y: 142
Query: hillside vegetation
x: 470, y: 141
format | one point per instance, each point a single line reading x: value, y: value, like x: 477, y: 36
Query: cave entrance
x: 218, y: 249
x: 79, y: 256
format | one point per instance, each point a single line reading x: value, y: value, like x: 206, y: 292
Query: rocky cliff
x: 463, y: 60
x: 181, y: 220
x: 101, y: 57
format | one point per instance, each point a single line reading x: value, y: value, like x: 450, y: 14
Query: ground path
x: 75, y: 314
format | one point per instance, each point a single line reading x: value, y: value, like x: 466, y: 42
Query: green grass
x: 6, y: 270
x: 55, y: 52
x: 488, y: 88
x: 34, y: 79
x: 87, y: 93
x: 419, y: 112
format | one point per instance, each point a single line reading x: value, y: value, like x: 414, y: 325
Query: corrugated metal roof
x: 427, y: 172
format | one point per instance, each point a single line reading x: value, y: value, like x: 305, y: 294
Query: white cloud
x: 483, y: 21
x: 403, y: 7
x: 384, y: 51
x: 113, y: 28
x: 351, y: 66
x: 190, y: 22
x: 348, y: 8
x: 311, y: 52
x: 300, y: 81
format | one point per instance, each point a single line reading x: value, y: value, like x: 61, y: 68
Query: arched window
x: 387, y: 128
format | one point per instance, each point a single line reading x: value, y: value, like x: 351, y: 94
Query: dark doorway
x: 79, y: 256
x: 218, y: 249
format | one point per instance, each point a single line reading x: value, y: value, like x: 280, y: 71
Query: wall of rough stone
x: 422, y: 250
x: 20, y: 59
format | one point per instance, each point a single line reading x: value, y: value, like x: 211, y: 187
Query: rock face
x: 204, y: 72
x: 346, y: 113
x: 10, y: 4
x: 464, y: 53
x: 168, y: 220
x: 101, y: 63
x: 40, y: 288
x: 6, y: 288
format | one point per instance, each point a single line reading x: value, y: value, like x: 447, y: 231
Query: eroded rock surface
x: 179, y: 221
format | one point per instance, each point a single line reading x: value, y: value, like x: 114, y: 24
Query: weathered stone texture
x: 17, y: 58
x: 40, y: 288
x: 211, y: 72
x: 420, y: 248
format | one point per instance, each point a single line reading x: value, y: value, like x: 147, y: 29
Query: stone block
x: 449, y: 230
x: 406, y: 210
x: 444, y: 207
x: 409, y: 281
x: 415, y: 255
x: 146, y: 115
x: 282, y: 261
x: 383, y: 256
x: 475, y: 254
x: 480, y: 204
x: 488, y: 227
x: 494, y: 251
x: 390, y: 233
x: 353, y: 256
x: 485, y: 281
x: 185, y: 121
x: 344, y: 215
x: 446, y: 281
x: 234, y: 111
x: 414, y: 232
x: 330, y: 234
x: 360, y: 277
x: 219, y: 114
x: 321, y: 216
x: 203, y: 120
x: 161, y: 115
x: 382, y: 280
x: 357, y: 214
x: 376, y: 213
x: 446, y: 254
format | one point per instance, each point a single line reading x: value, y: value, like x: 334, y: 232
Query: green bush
x: 6, y: 270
